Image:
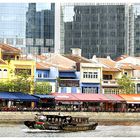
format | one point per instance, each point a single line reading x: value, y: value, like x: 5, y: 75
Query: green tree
x: 20, y: 84
x: 126, y: 86
x: 4, y: 86
x: 42, y: 88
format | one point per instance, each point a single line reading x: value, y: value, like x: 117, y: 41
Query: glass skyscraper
x: 137, y: 30
x: 29, y: 26
x: 99, y: 29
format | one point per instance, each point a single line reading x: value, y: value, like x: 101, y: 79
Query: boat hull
x: 62, y: 127
x: 80, y: 127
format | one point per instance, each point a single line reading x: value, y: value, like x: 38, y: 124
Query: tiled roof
x: 136, y: 67
x: 108, y: 62
x: 59, y: 60
x: 78, y: 59
x: 110, y: 69
x: 128, y: 66
x: 9, y: 49
x: 121, y: 57
x: 65, y: 69
x: 41, y: 65
x: 41, y: 57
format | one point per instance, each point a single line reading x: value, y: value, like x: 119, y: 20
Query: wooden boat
x: 63, y: 123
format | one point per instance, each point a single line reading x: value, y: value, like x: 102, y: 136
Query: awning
x: 90, y: 85
x: 44, y: 96
x: 64, y: 97
x: 67, y: 74
x: 90, y: 97
x: 80, y: 97
x: 114, y: 98
x: 131, y: 98
x: 24, y: 97
x: 17, y: 96
x: 7, y: 96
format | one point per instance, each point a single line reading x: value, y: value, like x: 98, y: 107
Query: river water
x: 19, y: 130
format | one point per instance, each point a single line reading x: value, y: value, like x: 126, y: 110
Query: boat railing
x: 80, y: 120
x: 67, y: 119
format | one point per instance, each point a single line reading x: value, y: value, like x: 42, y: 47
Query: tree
x: 4, y: 86
x: 126, y: 86
x: 21, y: 83
x: 42, y: 88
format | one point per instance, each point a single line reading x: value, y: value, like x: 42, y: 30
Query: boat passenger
x: 40, y: 117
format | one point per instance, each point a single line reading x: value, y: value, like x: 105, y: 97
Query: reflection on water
x: 125, y: 130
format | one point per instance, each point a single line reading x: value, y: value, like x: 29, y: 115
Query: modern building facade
x: 137, y: 36
x: 99, y: 29
x: 28, y: 25
x: 40, y: 29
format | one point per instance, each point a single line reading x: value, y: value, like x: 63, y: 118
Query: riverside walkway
x: 19, y: 117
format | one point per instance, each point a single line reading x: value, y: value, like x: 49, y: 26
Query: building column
x: 57, y: 28
x: 9, y: 104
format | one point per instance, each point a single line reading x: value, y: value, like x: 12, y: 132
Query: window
x: 89, y: 90
x: 85, y: 75
x: 111, y: 91
x: 19, y: 71
x: 125, y: 73
x: 0, y: 73
x: 90, y: 75
x: 5, y: 73
x: 45, y: 75
x: 95, y: 75
x: 138, y: 88
x: 39, y: 75
x: 107, y: 77
x: 10, y: 41
x: 19, y: 41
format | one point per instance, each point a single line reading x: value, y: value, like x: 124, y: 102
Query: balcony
x: 135, y: 79
x: 109, y: 83
x: 69, y: 83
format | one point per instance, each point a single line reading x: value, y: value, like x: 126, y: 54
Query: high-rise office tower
x: 40, y: 29
x: 137, y: 36
x: 137, y: 30
x: 99, y: 29
x: 28, y: 25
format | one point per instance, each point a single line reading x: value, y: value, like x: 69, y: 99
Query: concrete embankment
x: 101, y: 117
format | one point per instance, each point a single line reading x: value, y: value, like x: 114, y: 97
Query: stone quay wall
x: 19, y: 117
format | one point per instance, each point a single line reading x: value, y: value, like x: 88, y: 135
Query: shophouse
x: 46, y: 73
x: 130, y: 66
x: 10, y: 65
x: 110, y: 74
x: 59, y: 71
x: 90, y: 78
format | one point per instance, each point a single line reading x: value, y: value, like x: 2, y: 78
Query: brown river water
x: 104, y: 129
